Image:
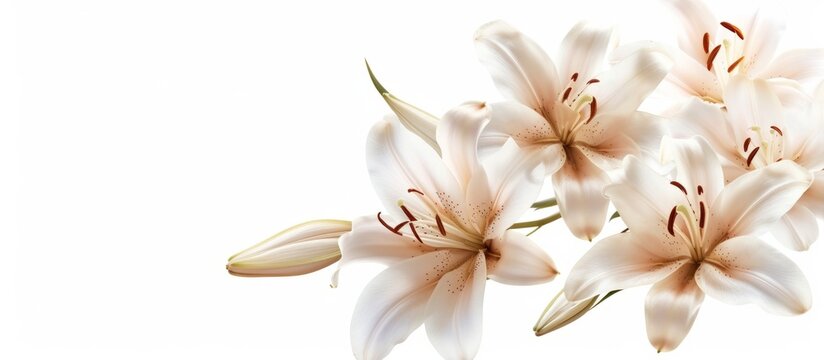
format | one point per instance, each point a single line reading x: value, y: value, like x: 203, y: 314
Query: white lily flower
x: 755, y: 130
x: 695, y: 236
x: 582, y: 126
x: 713, y: 51
x: 444, y: 232
x: 298, y: 250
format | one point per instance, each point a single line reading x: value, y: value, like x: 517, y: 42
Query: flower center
x: 761, y: 150
x: 728, y: 50
x: 428, y: 227
x: 583, y: 105
x: 693, y: 221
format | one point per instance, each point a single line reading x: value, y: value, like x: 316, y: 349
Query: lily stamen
x: 679, y: 186
x: 735, y: 64
x: 408, y: 214
x: 706, y: 43
x: 777, y: 129
x: 593, y: 109
x: 712, y: 56
x: 388, y: 227
x: 747, y: 144
x: 566, y: 94
x: 671, y: 221
x: 733, y: 29
x: 441, y: 228
x: 752, y: 156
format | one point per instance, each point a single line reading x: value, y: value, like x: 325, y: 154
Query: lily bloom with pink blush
x: 581, y: 120
x: 693, y: 236
x: 756, y: 130
x: 712, y: 50
x: 444, y: 232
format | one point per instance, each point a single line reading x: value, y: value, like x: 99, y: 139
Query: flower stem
x: 536, y: 223
x: 545, y: 203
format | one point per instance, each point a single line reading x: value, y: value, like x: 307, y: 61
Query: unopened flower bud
x: 298, y: 250
x: 561, y: 312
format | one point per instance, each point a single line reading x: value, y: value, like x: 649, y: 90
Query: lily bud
x: 298, y: 250
x: 561, y: 312
x: 417, y: 121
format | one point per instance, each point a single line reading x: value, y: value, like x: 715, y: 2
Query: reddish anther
x: 752, y: 156
x: 593, y: 109
x: 734, y: 29
x: 706, y: 43
x: 415, y: 232
x: 408, y: 214
x: 679, y: 186
x: 777, y: 130
x: 387, y: 226
x: 735, y: 64
x: 712, y: 56
x: 441, y: 228
x: 566, y: 94
x: 671, y: 222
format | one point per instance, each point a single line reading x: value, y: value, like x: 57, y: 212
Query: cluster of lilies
x: 737, y: 153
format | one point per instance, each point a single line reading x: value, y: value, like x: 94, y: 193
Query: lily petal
x: 458, y: 136
x: 813, y: 199
x: 455, y: 311
x: 746, y: 270
x: 797, y: 64
x: 298, y: 250
x: 687, y: 78
x: 513, y: 119
x: 398, y: 161
x: 394, y: 303
x: 515, y: 179
x: 751, y: 103
x: 762, y: 38
x: 754, y: 201
x: 610, y: 137
x: 671, y: 308
x: 521, y: 70
x: 627, y: 84
x: 583, y: 51
x: 617, y: 262
x: 696, y: 165
x: 797, y: 229
x: 699, y: 118
x: 521, y: 261
x: 696, y: 20
x: 644, y: 199
x: 579, y: 187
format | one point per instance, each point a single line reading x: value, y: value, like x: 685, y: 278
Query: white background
x: 150, y: 140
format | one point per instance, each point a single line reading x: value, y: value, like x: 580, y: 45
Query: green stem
x: 614, y: 215
x: 536, y: 223
x: 545, y: 203
x: 613, y: 292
